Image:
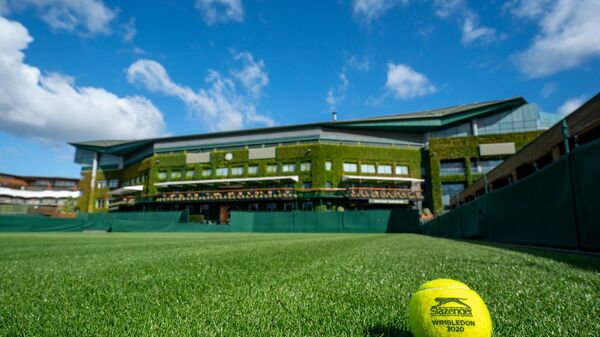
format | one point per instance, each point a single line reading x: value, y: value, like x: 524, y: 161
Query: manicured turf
x: 277, y: 284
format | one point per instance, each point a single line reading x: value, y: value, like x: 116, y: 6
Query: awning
x: 127, y: 190
x: 398, y: 179
x: 225, y: 181
x: 26, y: 194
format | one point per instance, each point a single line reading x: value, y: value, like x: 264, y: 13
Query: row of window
x: 287, y: 168
x: 477, y: 166
x: 379, y: 169
x: 112, y: 183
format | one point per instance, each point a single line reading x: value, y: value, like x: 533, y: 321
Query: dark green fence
x: 558, y: 206
x: 376, y: 221
x: 115, y: 222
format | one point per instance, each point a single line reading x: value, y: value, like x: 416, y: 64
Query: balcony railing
x: 384, y: 193
x: 243, y: 194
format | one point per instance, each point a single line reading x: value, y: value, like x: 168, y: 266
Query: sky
x: 76, y: 70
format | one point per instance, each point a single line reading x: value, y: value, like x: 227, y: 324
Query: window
x: 327, y: 166
x: 367, y: 168
x: 449, y: 168
x: 62, y: 183
x: 307, y: 206
x: 162, y: 175
x: 175, y: 174
x: 350, y: 167
x: 450, y: 190
x: 305, y: 167
x: 288, y: 168
x: 113, y: 183
x: 222, y: 172
x: 384, y: 169
x: 101, y: 183
x: 189, y: 174
x: 206, y: 172
x: 484, y: 165
x: 328, y: 184
x: 271, y: 168
x: 271, y: 207
x: 307, y: 184
x: 401, y: 170
x: 252, y: 169
x: 237, y: 171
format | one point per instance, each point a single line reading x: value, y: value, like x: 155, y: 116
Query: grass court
x: 229, y: 284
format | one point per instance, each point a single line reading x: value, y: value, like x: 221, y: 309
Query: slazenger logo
x: 456, y: 307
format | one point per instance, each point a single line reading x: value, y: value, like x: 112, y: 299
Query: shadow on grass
x: 582, y: 260
x: 386, y: 331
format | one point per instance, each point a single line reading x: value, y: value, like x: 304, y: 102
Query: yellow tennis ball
x: 444, y: 308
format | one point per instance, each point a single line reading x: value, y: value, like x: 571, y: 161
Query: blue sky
x: 90, y: 69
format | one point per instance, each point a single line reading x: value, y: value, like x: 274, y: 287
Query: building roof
x: 423, y: 121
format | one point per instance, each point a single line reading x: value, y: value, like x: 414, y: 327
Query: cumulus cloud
x: 405, y: 83
x: 221, y: 106
x: 472, y: 30
x: 571, y: 105
x: 50, y: 108
x: 215, y: 11
x: 84, y: 16
x: 369, y: 10
x: 568, y: 35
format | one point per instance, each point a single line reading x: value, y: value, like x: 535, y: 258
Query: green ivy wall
x: 465, y: 149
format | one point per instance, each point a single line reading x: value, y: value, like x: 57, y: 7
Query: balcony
x: 372, y: 193
x: 229, y: 195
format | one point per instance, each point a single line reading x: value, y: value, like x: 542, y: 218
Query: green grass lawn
x: 278, y: 284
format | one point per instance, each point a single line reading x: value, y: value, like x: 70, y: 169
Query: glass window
x: 401, y: 170
x: 271, y: 168
x: 367, y: 168
x: 237, y: 171
x: 252, y: 169
x: 175, y: 174
x: 384, y: 169
x: 162, y: 175
x: 350, y: 167
x: 307, y: 184
x: 450, y: 190
x: 206, y: 172
x: 101, y: 183
x: 222, y: 172
x: 328, y: 184
x: 189, y: 174
x: 448, y: 168
x: 327, y: 166
x: 305, y: 167
x: 271, y: 207
x: 484, y: 165
x: 113, y: 183
x: 288, y: 168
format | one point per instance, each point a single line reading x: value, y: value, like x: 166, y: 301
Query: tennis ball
x: 444, y: 307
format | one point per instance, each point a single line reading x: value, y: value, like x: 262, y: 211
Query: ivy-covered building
x: 405, y: 160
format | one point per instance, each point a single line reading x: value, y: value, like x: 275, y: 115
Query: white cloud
x: 220, y: 106
x: 252, y: 75
x: 473, y: 31
x: 405, y: 83
x: 571, y: 105
x: 51, y: 109
x: 337, y: 94
x: 548, y: 89
x: 215, y: 11
x: 568, y: 36
x: 360, y: 63
x: 128, y: 30
x: 87, y: 16
x: 468, y: 20
x: 369, y: 10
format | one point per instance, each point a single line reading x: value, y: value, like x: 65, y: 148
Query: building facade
x: 407, y: 160
x: 43, y: 195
